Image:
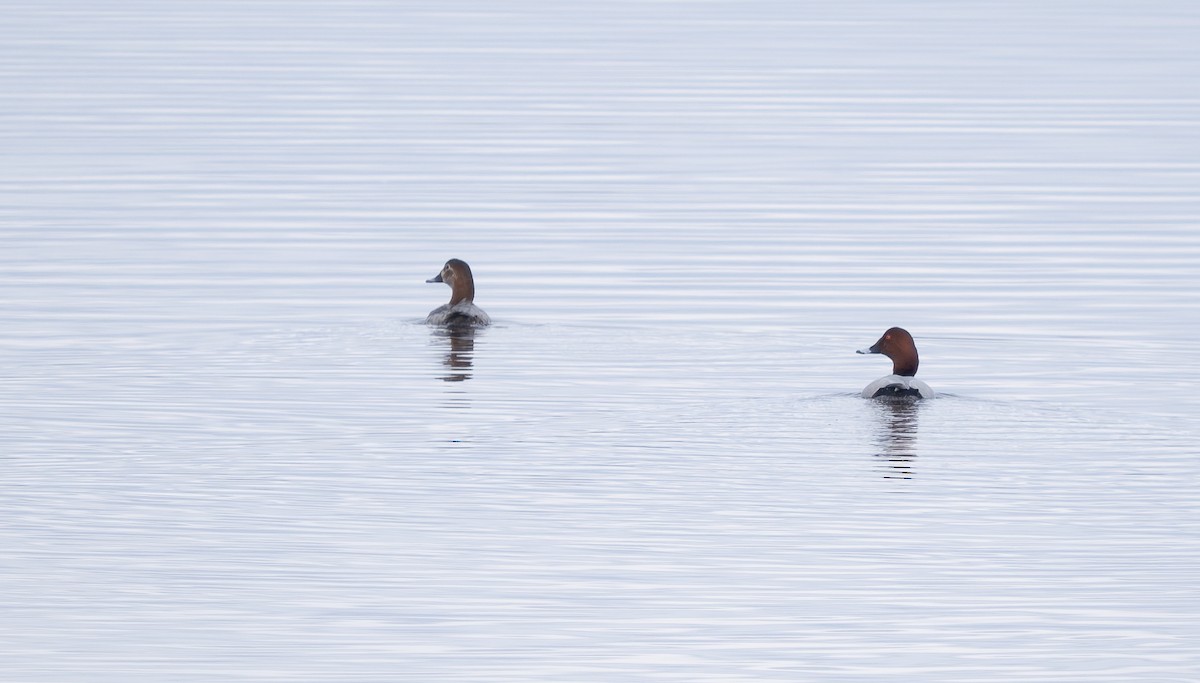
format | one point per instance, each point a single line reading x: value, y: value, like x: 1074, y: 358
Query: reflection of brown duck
x: 898, y: 437
x: 898, y: 345
x: 461, y: 311
x: 461, y: 357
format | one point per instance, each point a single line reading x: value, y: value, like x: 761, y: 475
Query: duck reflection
x: 897, y: 436
x: 460, y: 353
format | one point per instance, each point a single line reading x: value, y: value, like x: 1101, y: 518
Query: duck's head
x: 457, y: 274
x: 898, y: 345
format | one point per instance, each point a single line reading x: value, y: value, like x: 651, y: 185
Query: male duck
x: 461, y: 311
x: 898, y: 345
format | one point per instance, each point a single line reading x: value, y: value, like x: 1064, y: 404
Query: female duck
x: 898, y: 345
x: 461, y: 311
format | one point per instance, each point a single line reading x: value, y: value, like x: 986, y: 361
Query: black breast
x: 897, y: 391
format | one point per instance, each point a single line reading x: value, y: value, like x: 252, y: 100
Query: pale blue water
x: 229, y: 449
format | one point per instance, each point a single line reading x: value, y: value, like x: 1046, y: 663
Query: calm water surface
x: 229, y: 449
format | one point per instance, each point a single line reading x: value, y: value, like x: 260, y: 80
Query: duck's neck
x: 463, y: 291
x: 905, y: 366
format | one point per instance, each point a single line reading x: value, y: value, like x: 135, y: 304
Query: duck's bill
x: 436, y: 278
x: 869, y: 349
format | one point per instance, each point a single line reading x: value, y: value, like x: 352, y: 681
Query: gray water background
x: 229, y: 449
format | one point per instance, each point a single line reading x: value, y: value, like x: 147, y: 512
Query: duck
x: 461, y: 311
x: 898, y: 345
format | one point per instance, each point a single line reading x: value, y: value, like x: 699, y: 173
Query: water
x: 231, y: 450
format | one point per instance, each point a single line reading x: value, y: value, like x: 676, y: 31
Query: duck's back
x: 465, y: 313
